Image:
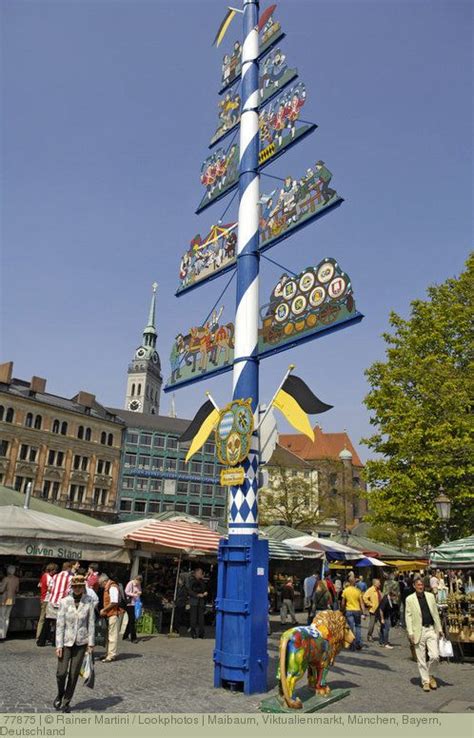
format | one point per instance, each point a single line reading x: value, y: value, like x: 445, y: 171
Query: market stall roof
x: 176, y: 536
x: 32, y: 533
x: 457, y: 554
x: 12, y: 497
x: 281, y: 532
x: 330, y: 548
x: 376, y: 549
x: 369, y: 561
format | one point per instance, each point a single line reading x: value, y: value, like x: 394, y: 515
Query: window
x: 157, y: 463
x: 59, y: 458
x: 51, y: 455
x: 182, y: 466
x: 110, y: 440
x: 133, y: 389
x: 126, y: 505
x: 127, y: 483
x: 3, y: 448
x: 139, y: 506
x: 88, y: 434
x: 99, y: 496
x: 208, y: 469
x: 144, y: 461
x: 172, y: 442
x: 307, y: 474
x: 33, y: 453
x: 219, y: 512
x: 196, y: 467
x: 209, y: 447
x: 18, y: 483
x: 64, y: 428
x: 23, y: 452
x: 139, y: 390
x: 194, y: 509
x: 55, y: 493
x: 171, y: 464
x: 182, y: 488
x: 103, y: 438
x: 100, y: 466
x: 21, y: 483
x: 80, y: 494
x: 29, y: 420
x: 180, y: 507
x: 159, y: 441
x: 107, y: 467
x: 77, y: 462
x: 145, y: 439
x: 141, y: 484
x: 356, y: 483
x: 80, y: 432
x: 155, y: 485
x: 84, y: 463
x: 130, y: 460
x: 221, y: 491
x: 132, y: 438
x: 9, y: 415
x: 207, y: 489
x: 2, y: 412
x: 153, y: 507
x: 194, y: 488
x: 38, y: 422
x: 55, y: 426
x: 207, y: 511
x: 46, y: 488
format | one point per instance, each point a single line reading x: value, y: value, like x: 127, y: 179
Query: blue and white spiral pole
x: 240, y: 655
x: 243, y: 504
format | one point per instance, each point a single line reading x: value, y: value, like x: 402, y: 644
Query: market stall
x: 29, y: 539
x: 457, y: 612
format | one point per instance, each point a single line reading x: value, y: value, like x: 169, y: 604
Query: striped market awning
x: 456, y: 554
x: 176, y: 536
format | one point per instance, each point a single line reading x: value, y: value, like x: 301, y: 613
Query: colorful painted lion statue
x: 312, y: 648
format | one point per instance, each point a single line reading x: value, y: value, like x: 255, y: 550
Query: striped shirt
x: 60, y: 588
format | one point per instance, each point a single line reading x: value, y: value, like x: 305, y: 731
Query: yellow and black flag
x: 200, y: 428
x: 295, y: 400
x: 224, y: 26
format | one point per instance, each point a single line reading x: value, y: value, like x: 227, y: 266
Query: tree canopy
x: 421, y: 401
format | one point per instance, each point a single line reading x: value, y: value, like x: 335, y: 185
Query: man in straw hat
x: 75, y: 628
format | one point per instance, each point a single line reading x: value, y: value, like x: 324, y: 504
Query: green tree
x: 294, y: 500
x: 421, y: 402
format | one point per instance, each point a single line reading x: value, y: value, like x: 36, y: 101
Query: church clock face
x: 154, y: 357
x: 135, y: 405
x: 140, y: 353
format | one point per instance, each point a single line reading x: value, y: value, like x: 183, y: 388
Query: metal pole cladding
x: 243, y: 509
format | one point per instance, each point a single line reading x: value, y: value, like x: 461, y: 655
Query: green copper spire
x: 149, y: 334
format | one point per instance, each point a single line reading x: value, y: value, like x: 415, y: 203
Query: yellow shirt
x: 352, y: 598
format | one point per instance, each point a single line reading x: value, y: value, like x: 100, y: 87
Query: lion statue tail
x: 295, y: 704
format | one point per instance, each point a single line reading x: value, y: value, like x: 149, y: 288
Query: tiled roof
x: 144, y: 421
x: 20, y: 388
x: 325, y: 446
x: 285, y: 458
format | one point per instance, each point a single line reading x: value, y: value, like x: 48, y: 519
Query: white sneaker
x: 387, y: 646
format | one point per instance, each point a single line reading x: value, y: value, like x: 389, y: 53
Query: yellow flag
x: 200, y: 429
x: 293, y: 413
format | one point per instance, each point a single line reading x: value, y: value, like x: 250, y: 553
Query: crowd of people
x: 410, y: 601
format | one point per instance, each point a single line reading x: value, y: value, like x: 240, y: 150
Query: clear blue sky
x: 108, y: 108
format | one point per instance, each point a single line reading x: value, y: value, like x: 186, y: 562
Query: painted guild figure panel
x: 208, y: 256
x: 270, y: 35
x: 205, y: 350
x: 278, y: 131
x: 306, y: 303
x: 275, y: 76
x: 296, y: 203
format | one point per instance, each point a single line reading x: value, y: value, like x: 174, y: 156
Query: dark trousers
x: 179, y: 616
x: 130, y: 629
x: 47, y: 632
x: 69, y: 666
x: 327, y: 192
x: 197, y: 620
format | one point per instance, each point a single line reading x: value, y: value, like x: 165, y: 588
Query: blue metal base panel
x: 240, y: 656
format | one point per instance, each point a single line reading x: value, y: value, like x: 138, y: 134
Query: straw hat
x: 78, y: 581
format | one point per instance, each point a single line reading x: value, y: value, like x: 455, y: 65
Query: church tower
x: 144, y: 373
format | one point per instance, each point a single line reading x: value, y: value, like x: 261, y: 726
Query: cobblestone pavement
x: 175, y: 675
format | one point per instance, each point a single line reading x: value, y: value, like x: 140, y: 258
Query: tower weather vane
x: 301, y: 307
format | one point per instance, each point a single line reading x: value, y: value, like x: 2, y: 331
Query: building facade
x: 144, y: 378
x: 67, y: 449
x: 154, y: 476
x: 340, y: 471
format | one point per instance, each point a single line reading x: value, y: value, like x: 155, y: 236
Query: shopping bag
x: 87, y: 671
x: 138, y: 608
x: 445, y: 648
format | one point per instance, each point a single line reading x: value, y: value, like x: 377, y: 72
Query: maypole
x: 240, y: 655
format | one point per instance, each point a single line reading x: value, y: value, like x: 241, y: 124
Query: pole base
x: 311, y: 702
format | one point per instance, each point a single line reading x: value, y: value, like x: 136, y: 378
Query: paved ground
x: 175, y: 675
